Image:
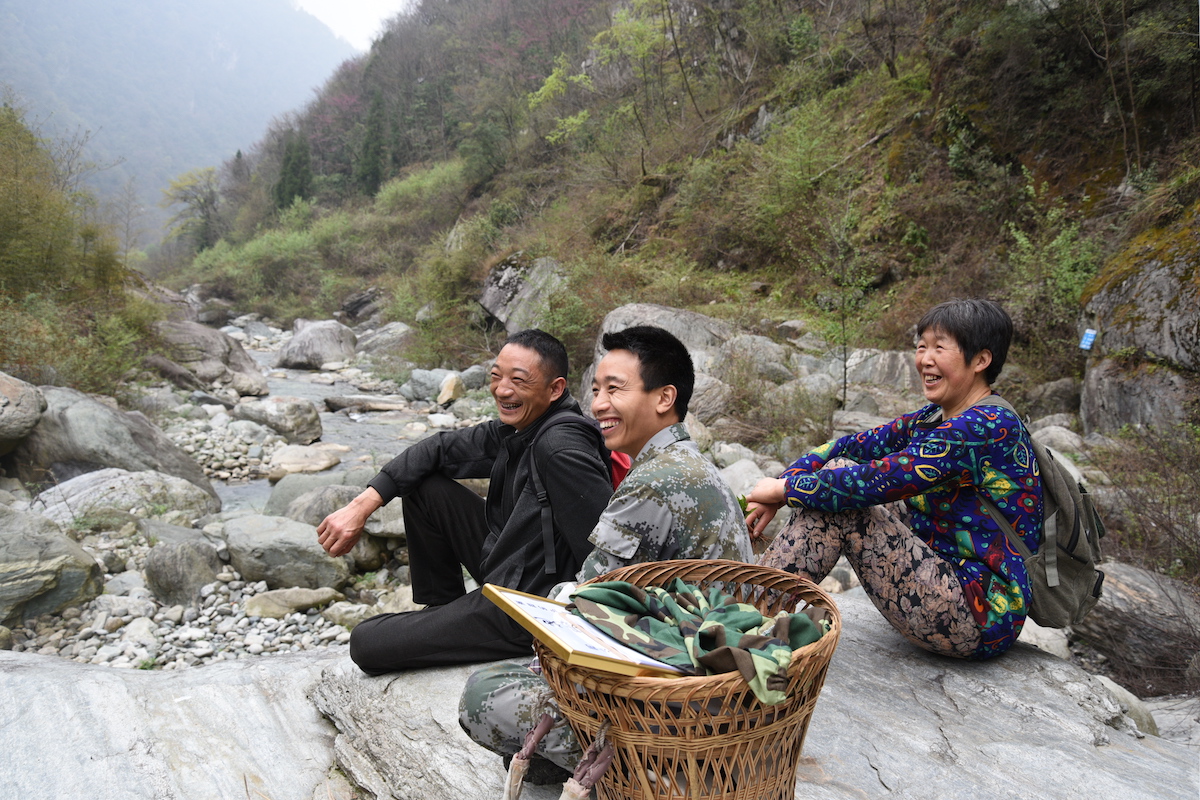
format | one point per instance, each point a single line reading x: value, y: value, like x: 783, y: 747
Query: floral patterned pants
x: 915, y: 589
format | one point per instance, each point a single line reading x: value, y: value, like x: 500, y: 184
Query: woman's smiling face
x: 946, y: 377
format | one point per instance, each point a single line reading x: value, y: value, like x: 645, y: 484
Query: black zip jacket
x: 569, y: 463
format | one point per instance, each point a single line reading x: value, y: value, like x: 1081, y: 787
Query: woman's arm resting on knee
x: 763, y: 502
x: 340, y: 531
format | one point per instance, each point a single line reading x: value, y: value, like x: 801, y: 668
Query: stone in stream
x: 295, y: 418
x: 316, y: 343
x: 146, y: 493
x: 78, y: 434
x: 41, y: 569
x: 282, y: 552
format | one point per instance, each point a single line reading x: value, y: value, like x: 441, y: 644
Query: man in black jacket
x: 499, y: 540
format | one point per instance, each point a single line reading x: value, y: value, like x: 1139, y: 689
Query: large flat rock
x: 230, y: 730
x: 892, y: 721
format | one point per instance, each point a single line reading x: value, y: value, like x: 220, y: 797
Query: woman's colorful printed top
x: 937, y: 469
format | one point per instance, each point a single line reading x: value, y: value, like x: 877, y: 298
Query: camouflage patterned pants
x: 915, y: 589
x: 503, y: 701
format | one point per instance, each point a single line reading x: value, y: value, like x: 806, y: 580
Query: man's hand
x: 763, y: 502
x: 339, y: 532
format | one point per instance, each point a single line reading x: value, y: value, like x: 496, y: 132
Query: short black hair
x: 551, y: 351
x: 662, y: 361
x: 976, y: 325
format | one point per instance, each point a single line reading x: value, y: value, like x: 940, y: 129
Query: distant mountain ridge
x: 166, y: 85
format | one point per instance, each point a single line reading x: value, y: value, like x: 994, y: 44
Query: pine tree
x: 368, y: 171
x: 295, y: 173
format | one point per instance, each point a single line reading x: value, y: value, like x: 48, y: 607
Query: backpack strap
x: 1049, y: 509
x: 543, y: 497
x: 1049, y: 549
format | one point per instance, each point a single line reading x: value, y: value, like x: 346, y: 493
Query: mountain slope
x: 165, y: 86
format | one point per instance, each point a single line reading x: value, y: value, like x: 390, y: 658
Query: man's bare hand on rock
x: 340, y: 531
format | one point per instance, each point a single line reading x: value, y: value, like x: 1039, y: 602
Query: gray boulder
x: 388, y: 339
x: 42, y: 571
x: 1059, y: 439
x: 880, y: 368
x: 1151, y: 308
x: 213, y: 357
x: 517, y: 292
x: 1118, y: 393
x: 292, y: 486
x: 292, y: 417
x: 176, y: 572
x: 411, y: 745
x: 77, y: 434
x: 475, y: 376
x: 230, y: 730
x: 21, y: 406
x: 316, y: 343
x: 892, y: 720
x: 282, y: 552
x: 1144, y: 622
x: 1056, y: 397
x: 313, y: 506
x: 895, y: 719
x: 818, y: 384
x: 742, y: 476
x: 703, y: 336
x: 709, y: 398
x: 753, y: 356
x: 424, y: 384
x: 143, y: 494
x: 726, y: 453
x: 847, y: 422
x: 278, y: 603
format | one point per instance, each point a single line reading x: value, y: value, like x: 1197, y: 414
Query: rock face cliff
x: 892, y: 721
x: 1147, y: 314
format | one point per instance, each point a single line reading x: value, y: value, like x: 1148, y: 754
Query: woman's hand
x: 763, y: 502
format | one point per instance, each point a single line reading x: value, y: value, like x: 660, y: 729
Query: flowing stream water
x: 374, y: 438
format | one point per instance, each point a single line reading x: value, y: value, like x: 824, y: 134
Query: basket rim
x: 811, y: 650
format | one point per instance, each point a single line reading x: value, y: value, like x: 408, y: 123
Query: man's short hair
x: 662, y: 361
x: 551, y: 351
x: 976, y: 325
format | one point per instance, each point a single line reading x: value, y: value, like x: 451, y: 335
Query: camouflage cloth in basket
x: 702, y: 633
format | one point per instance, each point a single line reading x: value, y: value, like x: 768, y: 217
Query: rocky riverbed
x: 237, y: 613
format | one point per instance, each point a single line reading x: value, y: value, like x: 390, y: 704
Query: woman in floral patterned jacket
x: 902, y: 501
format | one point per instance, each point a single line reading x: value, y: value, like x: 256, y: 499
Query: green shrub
x: 1154, y: 473
x: 425, y: 199
x: 90, y: 344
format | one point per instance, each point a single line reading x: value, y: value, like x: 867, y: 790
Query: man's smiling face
x: 628, y: 414
x: 521, y: 386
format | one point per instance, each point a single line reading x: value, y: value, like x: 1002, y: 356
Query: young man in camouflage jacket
x: 672, y: 504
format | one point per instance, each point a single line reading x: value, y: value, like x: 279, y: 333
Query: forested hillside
x: 853, y: 161
x: 162, y: 87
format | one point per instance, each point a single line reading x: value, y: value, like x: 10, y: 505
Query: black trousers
x: 445, y: 528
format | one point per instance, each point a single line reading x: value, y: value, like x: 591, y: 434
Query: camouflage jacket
x: 672, y: 504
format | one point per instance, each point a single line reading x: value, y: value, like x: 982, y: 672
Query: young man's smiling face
x: 628, y: 414
x: 521, y: 386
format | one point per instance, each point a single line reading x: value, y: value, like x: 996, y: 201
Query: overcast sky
x: 356, y: 21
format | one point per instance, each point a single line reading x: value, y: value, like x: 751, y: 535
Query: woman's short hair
x: 663, y: 360
x: 976, y: 325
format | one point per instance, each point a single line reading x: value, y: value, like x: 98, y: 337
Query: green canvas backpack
x: 1063, y: 573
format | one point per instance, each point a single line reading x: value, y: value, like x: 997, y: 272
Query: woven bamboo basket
x: 704, y: 736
